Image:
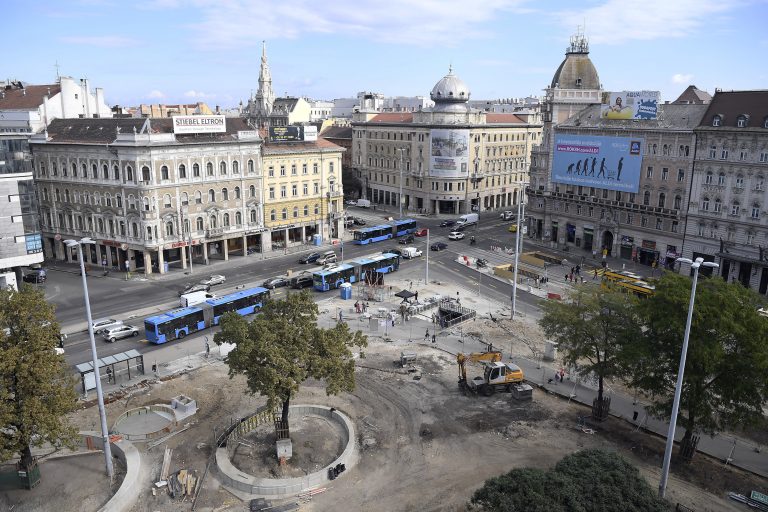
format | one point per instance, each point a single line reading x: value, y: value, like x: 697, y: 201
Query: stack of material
x: 182, y: 483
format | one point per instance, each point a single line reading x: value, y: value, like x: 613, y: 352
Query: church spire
x: 265, y: 96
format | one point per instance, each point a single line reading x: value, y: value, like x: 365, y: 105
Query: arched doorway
x: 607, y: 241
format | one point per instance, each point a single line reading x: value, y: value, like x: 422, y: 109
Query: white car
x: 102, y: 324
x: 120, y: 332
x: 455, y: 235
x: 213, y: 280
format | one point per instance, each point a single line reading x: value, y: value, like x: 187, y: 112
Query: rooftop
x: 29, y: 97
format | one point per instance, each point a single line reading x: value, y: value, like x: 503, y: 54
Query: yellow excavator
x: 497, y: 376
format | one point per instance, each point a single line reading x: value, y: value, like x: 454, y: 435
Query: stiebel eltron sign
x: 199, y: 124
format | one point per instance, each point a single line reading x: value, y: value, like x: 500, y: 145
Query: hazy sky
x: 172, y: 51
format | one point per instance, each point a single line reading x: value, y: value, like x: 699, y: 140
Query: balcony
x: 214, y: 232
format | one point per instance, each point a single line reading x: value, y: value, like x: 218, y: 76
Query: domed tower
x: 450, y: 94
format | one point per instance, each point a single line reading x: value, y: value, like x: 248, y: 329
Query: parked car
x: 302, y: 281
x: 411, y: 252
x: 351, y: 202
x: 121, y: 331
x: 310, y: 258
x: 105, y: 323
x: 438, y: 246
x: 456, y: 235
x: 392, y: 251
x: 407, y: 239
x: 213, y: 280
x: 508, y: 215
x: 359, y: 221
x: 447, y: 223
x: 326, y: 257
x: 38, y: 275
x: 195, y: 287
x: 275, y: 282
x: 421, y: 232
x: 349, y: 221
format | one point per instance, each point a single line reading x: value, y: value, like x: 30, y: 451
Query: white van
x: 363, y: 203
x: 467, y: 219
x: 410, y: 253
x: 190, y: 299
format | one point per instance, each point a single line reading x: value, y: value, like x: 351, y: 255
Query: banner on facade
x: 630, y: 105
x: 293, y: 133
x: 199, y: 124
x: 611, y: 163
x: 449, y: 153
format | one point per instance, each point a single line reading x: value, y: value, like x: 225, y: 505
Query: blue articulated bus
x: 178, y: 323
x: 369, y: 269
x: 385, y: 231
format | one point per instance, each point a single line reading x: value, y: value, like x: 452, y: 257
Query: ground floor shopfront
x: 747, y: 265
x: 457, y: 204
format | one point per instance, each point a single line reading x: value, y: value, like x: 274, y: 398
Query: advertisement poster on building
x: 199, y: 124
x: 449, y: 157
x: 612, y: 163
x: 630, y: 105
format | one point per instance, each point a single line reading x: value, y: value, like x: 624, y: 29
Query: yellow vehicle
x: 496, y: 374
x: 512, y: 228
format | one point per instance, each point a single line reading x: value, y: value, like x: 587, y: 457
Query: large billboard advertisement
x: 292, y: 133
x: 630, y: 105
x: 601, y: 162
x: 199, y: 124
x: 450, y: 153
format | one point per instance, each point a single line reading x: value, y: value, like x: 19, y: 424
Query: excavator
x: 497, y: 376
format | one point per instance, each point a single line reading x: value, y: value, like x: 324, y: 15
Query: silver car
x: 213, y: 280
x: 121, y: 331
x: 100, y: 324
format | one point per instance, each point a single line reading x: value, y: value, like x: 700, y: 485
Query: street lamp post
x: 679, y: 385
x: 99, y: 393
x: 400, y: 197
x: 518, y: 247
x: 185, y: 211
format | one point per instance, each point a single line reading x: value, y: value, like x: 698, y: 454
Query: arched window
x: 45, y: 194
x: 184, y: 199
x: 718, y: 205
x: 223, y: 168
x: 149, y: 233
x: 134, y: 230
x: 317, y: 209
x: 272, y: 215
x: 250, y: 167
x: 196, y: 170
x: 57, y: 194
x: 306, y: 210
x: 212, y: 224
x: 145, y: 174
x: 169, y: 228
x: 226, y: 220
x: 199, y: 224
x: 107, y: 199
x: 735, y: 208
x: 647, y: 198
x: 167, y: 201
x: 662, y: 200
x: 252, y: 191
x: 94, y: 171
x: 182, y: 172
x: 705, y: 204
x: 224, y: 194
x: 116, y: 173
x: 66, y: 195
x: 284, y: 214
x: 678, y: 202
x: 238, y: 219
x: 237, y: 192
x: 755, y: 211
x: 198, y: 197
x: 211, y: 196
x: 295, y: 212
x: 145, y: 201
x: 105, y: 172
x: 164, y: 173
x: 119, y: 201
x: 209, y: 168
x: 235, y: 167
x: 129, y: 173
x: 254, y: 216
x: 84, y: 171
x: 74, y: 170
x: 100, y: 225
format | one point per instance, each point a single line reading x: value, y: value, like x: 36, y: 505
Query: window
x: 721, y: 179
x: 330, y: 167
x: 295, y: 212
x: 678, y: 202
x: 759, y: 183
x: 674, y: 226
x: 145, y: 203
x: 664, y: 173
x: 144, y: 174
x: 649, y: 172
x: 250, y: 167
x: 662, y: 200
x: 184, y: 199
x: 196, y: 170
x: 254, y: 216
x: 271, y: 171
x: 252, y: 191
x: 224, y: 194
x: 303, y: 168
x: 314, y: 169
x: 659, y: 223
x: 237, y: 192
x: 293, y: 169
x: 708, y: 179
x: 209, y: 169
x: 223, y: 168
x: 198, y: 197
x: 105, y: 171
x: 283, y: 192
x: 647, y: 198
x: 739, y: 181
x: 115, y: 172
x: 182, y: 172
x: 701, y: 230
x: 212, y: 222
x: 272, y: 215
x: 317, y: 209
x: 211, y: 196
x: 755, y: 211
x: 128, y: 173
x: 134, y: 230
x: 226, y: 220
x: 199, y: 224
x: 750, y: 238
x: 294, y: 190
x: 717, y: 120
x: 644, y: 221
x: 238, y: 217
x: 741, y: 121
x: 705, y: 204
x: 743, y: 154
x: 718, y: 205
x: 167, y: 201
x: 235, y: 167
x: 680, y: 175
x: 712, y: 151
x: 284, y: 214
x: 282, y: 170
x: 169, y: 229
x: 735, y: 208
x: 271, y: 192
x: 306, y: 210
x: 724, y: 154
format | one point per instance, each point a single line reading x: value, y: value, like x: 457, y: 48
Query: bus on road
x: 368, y: 269
x: 178, y: 323
x: 384, y: 231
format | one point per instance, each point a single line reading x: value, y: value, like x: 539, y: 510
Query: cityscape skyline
x: 174, y: 51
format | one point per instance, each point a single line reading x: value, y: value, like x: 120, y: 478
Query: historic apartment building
x: 446, y: 159
x: 727, y: 221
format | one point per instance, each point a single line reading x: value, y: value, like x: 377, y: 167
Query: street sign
x: 759, y: 497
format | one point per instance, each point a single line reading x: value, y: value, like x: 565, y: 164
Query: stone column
x: 266, y: 241
x: 205, y: 252
x: 160, y: 261
x: 285, y: 237
x: 109, y: 256
x: 225, y: 245
x: 68, y: 254
x: 183, y: 251
x: 245, y: 245
x: 131, y: 260
x: 147, y: 262
x: 303, y: 234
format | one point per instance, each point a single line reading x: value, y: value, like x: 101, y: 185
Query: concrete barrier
x: 282, y: 487
x: 128, y: 494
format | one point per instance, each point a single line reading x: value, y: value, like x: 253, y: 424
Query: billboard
x: 199, y: 124
x: 629, y: 105
x: 601, y: 162
x: 449, y: 157
x: 292, y: 133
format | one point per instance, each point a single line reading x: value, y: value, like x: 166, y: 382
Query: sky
x: 184, y: 51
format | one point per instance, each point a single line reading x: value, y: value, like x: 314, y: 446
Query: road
x: 115, y: 297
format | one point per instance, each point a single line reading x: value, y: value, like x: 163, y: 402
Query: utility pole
x: 426, y: 275
x: 518, y: 247
x: 400, y: 197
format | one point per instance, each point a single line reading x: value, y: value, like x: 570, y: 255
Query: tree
x: 352, y: 185
x: 283, y: 347
x: 592, y: 329
x: 36, y: 392
x: 724, y: 382
x: 586, y: 481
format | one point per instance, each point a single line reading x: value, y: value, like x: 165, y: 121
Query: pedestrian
x: 578, y: 270
x: 573, y: 269
x: 357, y: 307
x: 594, y: 276
x: 434, y: 339
x: 557, y: 377
x: 109, y: 375
x: 207, y: 347
x: 426, y: 335
x: 634, y: 416
x: 341, y: 316
x: 417, y: 296
x: 365, y: 307
x: 562, y: 374
x: 566, y: 277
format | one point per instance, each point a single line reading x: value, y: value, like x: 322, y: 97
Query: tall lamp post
x: 518, y: 247
x: 679, y: 385
x: 99, y: 393
x: 185, y: 212
x: 400, y: 197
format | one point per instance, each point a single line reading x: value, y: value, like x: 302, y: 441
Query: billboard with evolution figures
x: 630, y: 105
x: 601, y: 162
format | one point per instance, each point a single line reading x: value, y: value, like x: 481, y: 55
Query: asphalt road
x: 112, y: 296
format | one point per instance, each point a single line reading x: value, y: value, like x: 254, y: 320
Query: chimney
x: 218, y: 109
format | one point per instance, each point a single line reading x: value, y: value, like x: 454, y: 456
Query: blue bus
x: 369, y: 269
x: 384, y: 231
x: 178, y: 323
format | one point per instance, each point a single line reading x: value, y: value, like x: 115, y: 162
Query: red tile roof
x: 275, y: 148
x: 27, y: 98
x: 392, y: 117
x: 502, y: 118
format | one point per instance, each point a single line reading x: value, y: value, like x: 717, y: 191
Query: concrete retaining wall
x: 127, y: 495
x: 276, y: 487
x: 148, y: 436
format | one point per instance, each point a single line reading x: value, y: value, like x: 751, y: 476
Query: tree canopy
x: 283, y: 346
x: 591, y: 329
x: 36, y: 391
x: 586, y: 481
x: 725, y: 373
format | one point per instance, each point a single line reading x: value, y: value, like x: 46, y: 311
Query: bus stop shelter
x: 113, y: 365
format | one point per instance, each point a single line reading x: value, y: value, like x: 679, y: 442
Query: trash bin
x: 346, y: 291
x: 165, y: 267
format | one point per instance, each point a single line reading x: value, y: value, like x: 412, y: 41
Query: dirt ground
x: 423, y: 445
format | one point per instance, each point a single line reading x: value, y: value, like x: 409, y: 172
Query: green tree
x: 586, y: 481
x: 724, y: 382
x: 283, y: 346
x: 353, y: 187
x: 591, y: 329
x: 36, y: 391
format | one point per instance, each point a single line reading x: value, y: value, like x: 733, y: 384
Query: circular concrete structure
x: 145, y: 423
x: 282, y: 487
